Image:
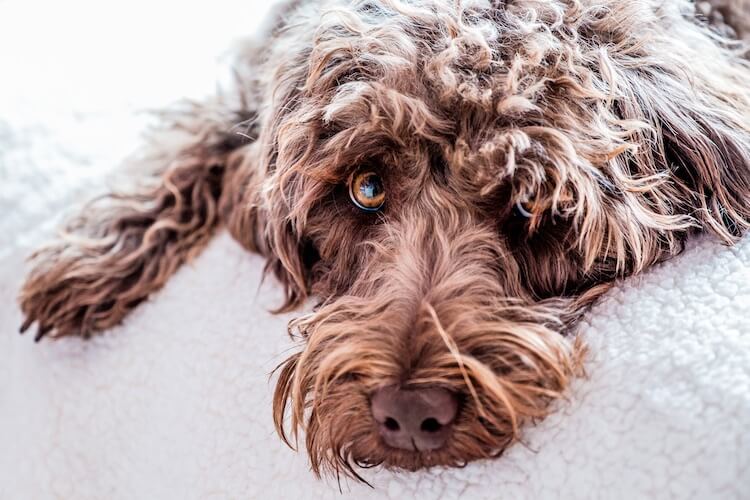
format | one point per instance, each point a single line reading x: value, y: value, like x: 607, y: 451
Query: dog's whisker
x: 454, y: 183
x: 453, y: 349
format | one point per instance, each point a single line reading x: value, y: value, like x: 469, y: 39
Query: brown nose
x: 414, y: 419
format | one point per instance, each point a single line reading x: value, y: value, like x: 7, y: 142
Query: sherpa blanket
x: 176, y: 402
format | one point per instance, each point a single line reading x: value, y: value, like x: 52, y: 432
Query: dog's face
x: 454, y: 185
x: 454, y: 182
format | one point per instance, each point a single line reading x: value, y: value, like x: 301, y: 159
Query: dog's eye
x: 366, y: 191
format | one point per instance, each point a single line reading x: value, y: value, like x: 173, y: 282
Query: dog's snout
x: 414, y: 419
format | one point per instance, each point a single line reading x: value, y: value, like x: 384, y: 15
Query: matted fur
x: 621, y: 126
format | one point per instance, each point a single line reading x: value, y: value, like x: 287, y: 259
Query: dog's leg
x: 124, y: 246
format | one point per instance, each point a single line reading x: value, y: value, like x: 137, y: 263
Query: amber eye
x: 366, y: 191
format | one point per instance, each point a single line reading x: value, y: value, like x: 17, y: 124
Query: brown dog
x: 454, y: 181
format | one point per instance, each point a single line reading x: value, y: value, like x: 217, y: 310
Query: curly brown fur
x: 124, y: 246
x: 620, y: 126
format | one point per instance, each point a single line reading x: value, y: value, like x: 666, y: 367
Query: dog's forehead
x: 439, y: 74
x: 437, y: 85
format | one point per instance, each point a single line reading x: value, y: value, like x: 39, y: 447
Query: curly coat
x: 532, y: 152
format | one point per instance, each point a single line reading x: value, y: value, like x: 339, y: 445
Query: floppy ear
x: 258, y: 222
x: 125, y: 245
x: 696, y: 97
x: 711, y: 154
x: 260, y: 200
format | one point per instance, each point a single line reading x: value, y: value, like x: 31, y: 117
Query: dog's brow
x: 444, y: 321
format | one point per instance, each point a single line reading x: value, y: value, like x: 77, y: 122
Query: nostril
x: 391, y: 424
x: 416, y: 420
x: 430, y: 425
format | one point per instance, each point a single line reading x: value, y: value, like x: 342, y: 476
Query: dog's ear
x: 290, y: 263
x: 258, y: 222
x: 710, y: 152
x: 265, y: 194
x: 698, y: 110
x: 124, y: 246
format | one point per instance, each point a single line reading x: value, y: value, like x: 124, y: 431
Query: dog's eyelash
x: 451, y: 216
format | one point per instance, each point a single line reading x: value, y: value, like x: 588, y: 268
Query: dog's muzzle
x: 414, y: 419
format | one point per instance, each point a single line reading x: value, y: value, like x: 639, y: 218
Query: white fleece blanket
x: 176, y: 402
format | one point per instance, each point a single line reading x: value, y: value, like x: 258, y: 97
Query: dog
x: 455, y: 183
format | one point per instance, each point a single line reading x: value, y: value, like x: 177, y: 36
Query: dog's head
x: 454, y: 181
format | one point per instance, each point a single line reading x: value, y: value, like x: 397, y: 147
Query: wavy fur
x: 620, y: 126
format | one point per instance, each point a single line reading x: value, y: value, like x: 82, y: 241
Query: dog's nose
x: 414, y: 419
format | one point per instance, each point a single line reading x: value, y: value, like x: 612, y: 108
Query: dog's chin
x: 504, y: 374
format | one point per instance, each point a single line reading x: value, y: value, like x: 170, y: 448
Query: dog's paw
x: 76, y: 291
x: 49, y: 323
x: 45, y: 327
x: 62, y: 306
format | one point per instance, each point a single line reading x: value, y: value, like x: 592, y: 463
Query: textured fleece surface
x: 176, y: 402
